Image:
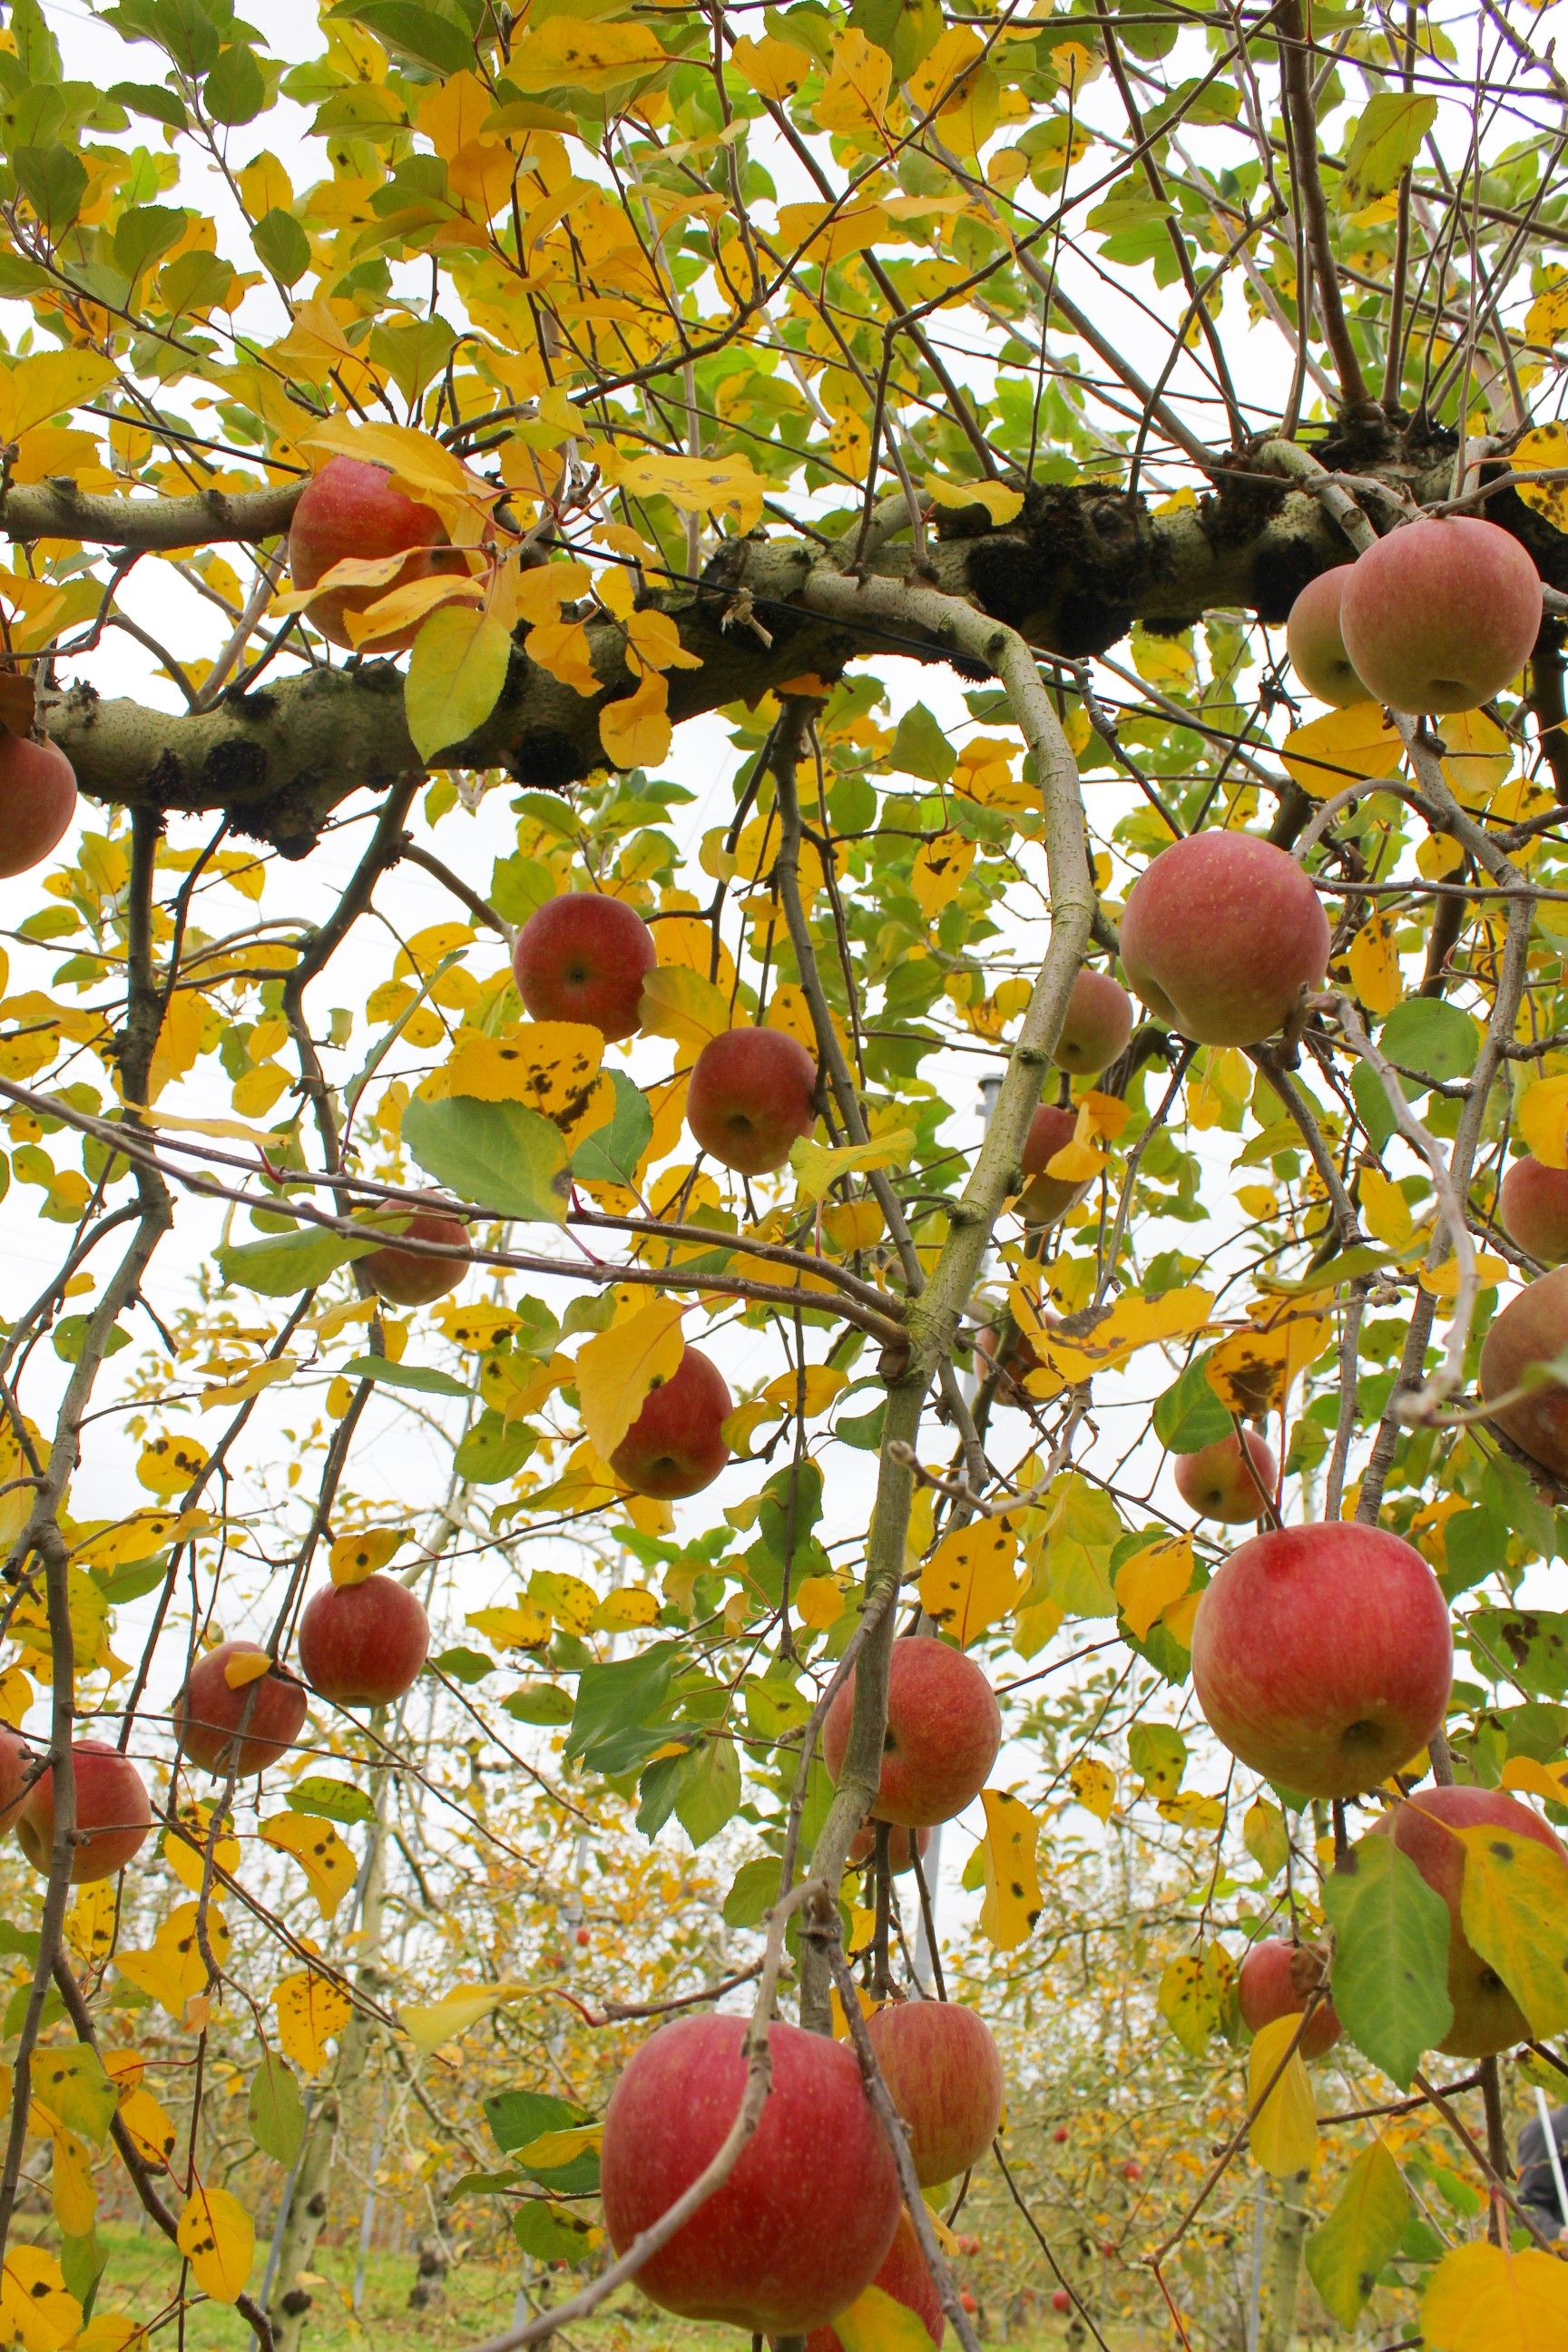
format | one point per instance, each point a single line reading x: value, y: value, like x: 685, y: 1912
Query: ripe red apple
x: 1060, y: 2135
x: 1274, y: 1980
x: 112, y: 1814
x: 1132, y: 2169
x: 1216, y: 1484
x: 1486, y: 2018
x: 905, y: 2277
x: 1441, y: 614
x: 350, y: 508
x: 807, y: 2217
x: 944, y: 1727
x: 38, y: 802
x: 752, y: 1094
x: 363, y: 1645
x: 1313, y: 641
x: 1221, y: 934
x: 1060, y: 2299
x: 17, y: 1769
x: 943, y: 2070
x: 1046, y: 1198
x: 967, y: 2246
x: 209, y: 1711
x: 584, y: 1938
x: 1532, y: 1205
x: 584, y: 957
x: 407, y: 1279
x: 1020, y: 1359
x: 676, y: 1445
x: 902, y: 1845
x: 1532, y: 1329
x: 1098, y: 1024
x: 1322, y: 1656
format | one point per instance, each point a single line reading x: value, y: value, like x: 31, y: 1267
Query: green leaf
x: 520, y: 886
x: 1434, y: 1039
x: 281, y: 245
x: 1532, y: 1643
x: 131, y: 1580
x: 330, y: 1800
x: 1517, y: 1501
x: 81, y: 2265
x: 456, y: 673
x: 491, y: 1451
x: 920, y: 747
x: 710, y: 1792
x: 72, y: 2084
x: 275, y: 2110
x: 422, y: 1377
x: 552, y: 2233
x: 54, y: 182
x: 160, y: 105
x: 196, y: 281
x: 1344, y: 2257
x: 517, y: 2118
x: 1189, y: 1416
x: 417, y: 32
x: 414, y: 354
x: 464, y: 1665
x: 292, y: 1262
x: 539, y: 1703
x: 615, y: 1703
x: 753, y: 1894
x: 1371, y: 1097
x: 610, y: 1155
x: 236, y: 89
x: 499, y: 1155
x: 143, y: 233
x: 1386, y: 141
x: 1158, y: 1754
x: 1391, y: 1957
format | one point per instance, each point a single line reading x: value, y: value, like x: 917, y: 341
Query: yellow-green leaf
x: 617, y: 1368
x: 817, y: 1168
x: 1346, y: 2254
x: 1192, y: 1994
x: 877, y: 2322
x: 428, y: 2024
x: 1148, y: 1583
x: 1285, y: 2129
x: 456, y: 674
x: 1514, y: 1908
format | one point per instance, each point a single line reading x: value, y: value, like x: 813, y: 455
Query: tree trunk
x: 1285, y: 2265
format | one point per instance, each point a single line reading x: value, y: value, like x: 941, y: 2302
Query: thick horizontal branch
x: 58, y: 509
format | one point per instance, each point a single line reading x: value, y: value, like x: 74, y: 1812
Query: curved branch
x: 58, y: 509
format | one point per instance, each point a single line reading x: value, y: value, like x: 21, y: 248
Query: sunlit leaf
x: 1284, y: 2137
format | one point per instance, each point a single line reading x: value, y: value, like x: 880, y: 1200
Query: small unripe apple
x: 902, y: 1846
x: 363, y: 1645
x: 1316, y: 649
x: 1441, y: 614
x: 1098, y: 1024
x: 1532, y: 1329
x: 351, y: 507
x: 1060, y: 2299
x: 944, y: 1728
x: 1274, y: 1980
x: 752, y: 1095
x: 1532, y: 1205
x: 1322, y: 1656
x: 409, y: 1279
x: 19, y: 1769
x: 1216, y: 1484
x: 1486, y: 2018
x: 584, y: 957
x: 1221, y: 934
x: 677, y: 1445
x: 943, y: 2072
x: 38, y: 802
x: 1046, y: 1198
x: 208, y: 1712
x: 907, y: 2279
x: 113, y: 1814
x: 806, y: 2218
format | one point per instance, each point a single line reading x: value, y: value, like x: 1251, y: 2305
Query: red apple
x: 1274, y: 1980
x: 1216, y: 1484
x: 969, y: 2302
x: 967, y: 2246
x: 1020, y: 1359
x: 1532, y: 1205
x: 1532, y: 1329
x: 905, y: 2277
x: 1098, y: 1024
x: 677, y: 1445
x: 1316, y: 649
x: 38, y: 802
x: 944, y: 1727
x: 807, y: 2217
x: 363, y: 1644
x: 112, y: 1813
x: 409, y: 1279
x: 1046, y: 1198
x: 1132, y: 2169
x: 18, y: 1768
x: 1060, y: 2135
x: 351, y: 507
x: 1322, y: 1656
x: 1060, y: 2299
x: 752, y: 1095
x: 584, y: 957
x: 1486, y: 2018
x: 901, y: 1848
x: 1441, y: 614
x: 208, y: 1712
x: 943, y: 2070
x: 1221, y: 934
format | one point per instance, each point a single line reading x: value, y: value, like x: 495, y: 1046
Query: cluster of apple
x: 811, y: 2215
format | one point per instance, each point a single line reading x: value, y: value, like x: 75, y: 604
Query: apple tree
x: 784, y: 798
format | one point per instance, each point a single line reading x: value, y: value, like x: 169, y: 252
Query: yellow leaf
x: 818, y: 1168
x: 686, y: 1005
x: 1285, y: 2131
x: 455, y: 112
x: 940, y: 871
x: 248, y: 1666
x: 1253, y: 1371
x: 1545, y: 450
x: 1543, y: 1119
x: 1384, y: 1210
x: 549, y: 1065
x: 1192, y: 1994
x: 47, y: 384
x: 1093, y: 1785
x: 972, y: 1579
x: 818, y: 1602
x: 310, y: 2009
x: 623, y: 1611
x: 877, y: 2322
x: 217, y: 2238
x: 1482, y: 2298
x: 1548, y: 1781
x: 855, y: 92
x: 636, y: 732
x: 523, y: 1627
x: 188, y: 1860
x: 430, y: 2025
x: 617, y: 1368
x: 567, y: 1598
x: 1344, y: 747
x: 456, y: 673
x: 173, y: 1968
x: 417, y: 461
x: 319, y: 1853
x: 1443, y: 1281
x: 151, y: 2125
x: 1438, y: 855
x: 71, y: 2191
x: 774, y: 69
x: 35, y: 2308
x: 168, y: 1465
x: 1514, y: 1907
x: 1476, y: 755
x: 562, y: 649
x: 569, y: 53
x: 1151, y: 1579
x: 1133, y: 1322
x: 1374, y: 967
x: 354, y: 1557
x: 1000, y: 503
x: 695, y: 485
x: 89, y: 1922
x: 554, y: 2148
x: 1012, y: 1901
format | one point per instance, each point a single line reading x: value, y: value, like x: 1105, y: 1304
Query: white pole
x: 930, y: 1870
x: 1552, y: 2155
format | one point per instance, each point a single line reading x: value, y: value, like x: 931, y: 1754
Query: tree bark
x: 1285, y: 2265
